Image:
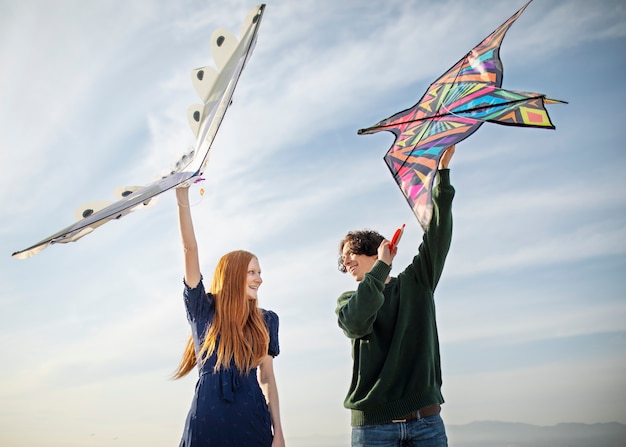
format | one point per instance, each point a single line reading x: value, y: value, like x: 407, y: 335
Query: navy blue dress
x: 228, y: 408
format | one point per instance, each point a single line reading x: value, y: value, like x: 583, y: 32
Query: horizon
x: 531, y: 310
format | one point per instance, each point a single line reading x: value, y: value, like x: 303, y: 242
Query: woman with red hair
x: 233, y: 343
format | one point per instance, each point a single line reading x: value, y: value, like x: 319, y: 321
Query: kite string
x: 450, y: 112
x: 195, y: 203
x: 201, y: 196
x: 449, y: 92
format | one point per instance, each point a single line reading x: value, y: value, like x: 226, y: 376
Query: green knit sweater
x: 395, y: 346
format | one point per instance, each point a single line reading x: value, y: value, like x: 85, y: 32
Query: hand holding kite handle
x: 182, y: 192
x: 396, y: 237
x: 446, y: 157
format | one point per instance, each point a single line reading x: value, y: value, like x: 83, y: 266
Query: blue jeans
x: 425, y: 432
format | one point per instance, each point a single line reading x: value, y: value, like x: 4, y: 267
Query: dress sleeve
x: 198, y: 303
x: 271, y: 321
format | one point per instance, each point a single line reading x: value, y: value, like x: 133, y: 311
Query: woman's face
x: 254, y: 279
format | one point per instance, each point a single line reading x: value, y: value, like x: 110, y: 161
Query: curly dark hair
x: 363, y: 242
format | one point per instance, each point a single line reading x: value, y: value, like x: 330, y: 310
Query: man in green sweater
x: 395, y: 393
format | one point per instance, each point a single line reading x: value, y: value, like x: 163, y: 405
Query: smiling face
x: 358, y: 252
x: 357, y: 265
x: 253, y: 280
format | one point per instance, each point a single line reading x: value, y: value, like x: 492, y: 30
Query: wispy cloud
x: 94, y: 97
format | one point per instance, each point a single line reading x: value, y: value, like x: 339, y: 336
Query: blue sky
x: 531, y: 306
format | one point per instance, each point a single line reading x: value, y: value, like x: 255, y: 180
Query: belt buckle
x: 406, y: 419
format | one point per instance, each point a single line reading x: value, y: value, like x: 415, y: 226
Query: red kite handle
x: 396, y: 237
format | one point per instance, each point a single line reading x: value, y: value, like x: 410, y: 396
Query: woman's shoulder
x: 271, y: 319
x: 269, y: 315
x: 271, y: 322
x: 197, y: 301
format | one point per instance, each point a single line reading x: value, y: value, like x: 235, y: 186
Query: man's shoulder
x: 346, y: 294
x: 344, y: 298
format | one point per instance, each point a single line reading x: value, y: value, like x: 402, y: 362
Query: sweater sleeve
x: 429, y: 262
x: 356, y: 311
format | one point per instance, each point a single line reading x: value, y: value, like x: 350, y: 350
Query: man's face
x: 357, y: 265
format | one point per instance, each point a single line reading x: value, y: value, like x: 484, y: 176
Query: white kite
x: 215, y: 87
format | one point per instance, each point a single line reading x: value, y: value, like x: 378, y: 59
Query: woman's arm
x: 267, y: 380
x: 190, y: 246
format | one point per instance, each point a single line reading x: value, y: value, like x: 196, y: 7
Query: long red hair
x: 238, y: 322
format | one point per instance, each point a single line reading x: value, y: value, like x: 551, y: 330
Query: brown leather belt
x: 431, y: 410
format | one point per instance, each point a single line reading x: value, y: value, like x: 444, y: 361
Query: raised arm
x: 190, y: 246
x: 437, y: 238
x: 446, y: 157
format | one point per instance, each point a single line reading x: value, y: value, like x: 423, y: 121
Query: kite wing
x: 453, y: 108
x: 215, y: 87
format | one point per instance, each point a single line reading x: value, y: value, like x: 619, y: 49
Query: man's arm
x: 356, y: 311
x: 429, y: 262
